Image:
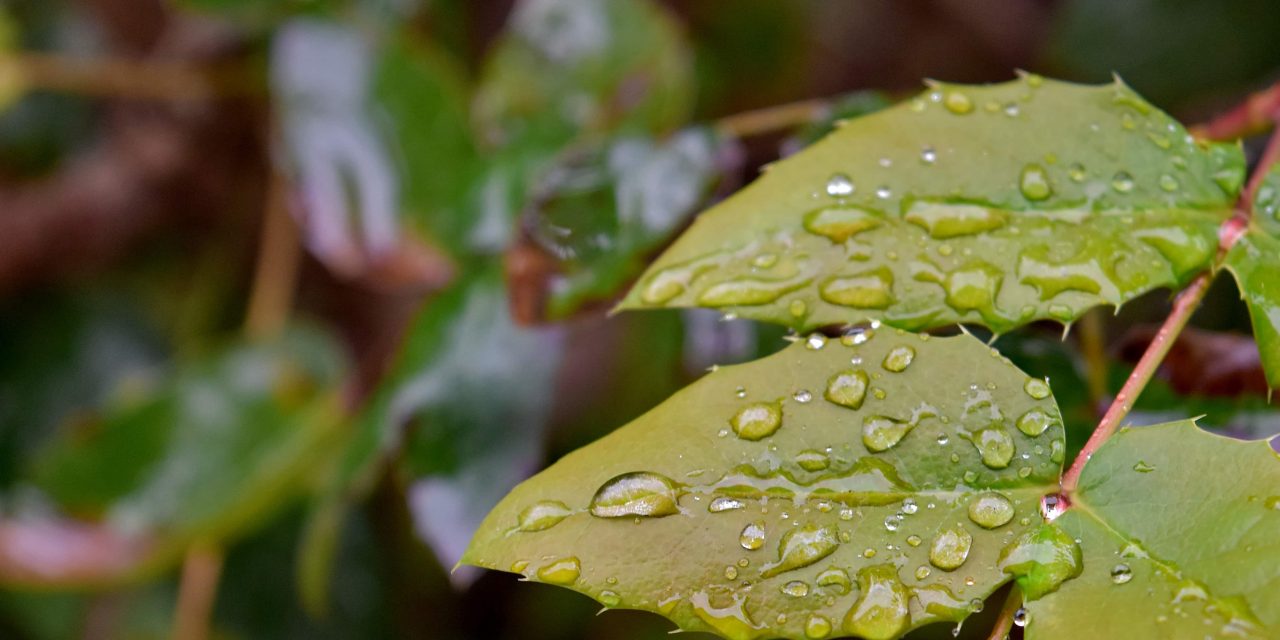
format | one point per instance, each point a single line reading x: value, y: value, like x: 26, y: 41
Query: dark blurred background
x: 293, y: 291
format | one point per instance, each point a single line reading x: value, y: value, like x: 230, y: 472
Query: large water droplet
x: 995, y: 446
x: 795, y: 589
x: 1020, y: 617
x: 1036, y: 388
x: 672, y: 281
x: 866, y: 290
x: 881, y: 433
x: 899, y: 358
x: 731, y: 621
x: 812, y: 460
x: 639, y: 493
x: 839, y: 185
x: 990, y: 510
x: 941, y: 604
x: 747, y: 292
x: 562, y: 572
x: 817, y: 627
x: 752, y: 536
x: 881, y: 612
x: 757, y: 420
x: 949, y: 220
x: 610, y: 599
x: 543, y: 515
x: 958, y: 103
x: 1034, y: 422
x: 1041, y: 559
x: 835, y: 579
x: 841, y: 223
x: 801, y: 547
x: 847, y: 388
x: 950, y: 548
x: 1034, y: 183
x: 722, y: 504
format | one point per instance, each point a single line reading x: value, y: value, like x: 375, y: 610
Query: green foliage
x: 1255, y: 263
x: 995, y: 205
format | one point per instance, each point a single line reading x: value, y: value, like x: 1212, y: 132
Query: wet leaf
x: 1254, y: 260
x: 753, y: 506
x: 1166, y: 557
x: 206, y: 457
x: 995, y: 205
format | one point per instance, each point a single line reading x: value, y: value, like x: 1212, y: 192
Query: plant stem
x: 196, y: 592
x: 123, y: 78
x: 1004, y: 624
x: 1255, y: 115
x: 279, y: 255
x: 772, y: 119
x: 1093, y: 344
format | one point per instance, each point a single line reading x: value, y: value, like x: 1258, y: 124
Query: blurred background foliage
x: 295, y: 291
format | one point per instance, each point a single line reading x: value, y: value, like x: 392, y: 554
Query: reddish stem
x: 1004, y: 624
x: 1255, y: 115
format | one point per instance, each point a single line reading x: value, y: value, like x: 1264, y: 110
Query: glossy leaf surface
x: 995, y: 205
x: 864, y: 485
x: 1255, y: 262
x: 1179, y: 529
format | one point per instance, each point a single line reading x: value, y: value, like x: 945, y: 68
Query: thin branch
x: 196, y: 592
x: 1004, y: 624
x: 1270, y: 155
x: 279, y: 255
x: 124, y: 78
x: 1255, y: 115
x: 773, y: 119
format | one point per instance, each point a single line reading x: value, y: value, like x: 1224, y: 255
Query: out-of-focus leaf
x: 601, y: 212
x: 565, y: 68
x: 468, y: 400
x: 1161, y: 46
x: 995, y: 205
x: 751, y: 503
x: 213, y: 452
x: 1179, y: 529
x: 1201, y: 363
x: 846, y: 107
x: 1254, y: 260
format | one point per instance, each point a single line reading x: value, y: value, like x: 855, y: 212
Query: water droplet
x: 881, y: 611
x: 1041, y: 559
x: 892, y: 522
x: 868, y: 553
x: 943, y: 439
x: 610, y: 599
x: 741, y: 392
x: 1122, y: 182
x: 1076, y: 172
x: 764, y: 260
x: 634, y: 494
x: 1168, y: 182
x: 871, y: 289
x: 847, y: 388
x: 543, y: 515
x: 795, y: 589
x: 812, y: 460
x: 1057, y: 451
x: 746, y: 292
x: 1272, y: 503
x: 928, y: 155
x: 519, y: 566
x: 757, y: 420
x: 730, y: 573
x: 815, y: 341
x: 899, y: 358
x: 914, y: 540
x: 1037, y: 388
x: 841, y: 223
x: 881, y: 433
x: 1034, y: 422
x: 883, y: 192
x: 731, y: 621
x: 950, y: 548
x: 562, y: 572
x: 1020, y: 617
x: 839, y: 185
x: 1142, y: 467
x: 1121, y: 574
x: 1011, y: 109
x: 995, y: 446
x: 722, y: 504
x: 990, y: 510
x: 1034, y: 183
x: 798, y: 308
x: 958, y: 103
x: 752, y: 536
x: 949, y: 220
x: 909, y: 506
x: 817, y: 627
x: 802, y: 396
x: 801, y: 547
x: 923, y: 572
x: 835, y: 579
x: 970, y: 477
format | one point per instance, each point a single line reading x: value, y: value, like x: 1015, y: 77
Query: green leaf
x: 213, y: 452
x: 832, y: 486
x: 1254, y: 260
x: 565, y: 68
x: 603, y: 211
x: 1180, y: 532
x: 996, y: 205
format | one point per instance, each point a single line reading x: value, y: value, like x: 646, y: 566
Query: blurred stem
x: 279, y: 255
x: 196, y: 592
x: 773, y: 119
x: 1255, y: 115
x: 123, y: 78
x: 1004, y: 623
x: 1093, y: 344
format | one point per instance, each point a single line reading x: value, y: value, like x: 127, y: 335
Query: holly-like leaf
x: 1181, y: 536
x: 209, y: 455
x: 995, y: 205
x: 864, y: 485
x: 1254, y: 260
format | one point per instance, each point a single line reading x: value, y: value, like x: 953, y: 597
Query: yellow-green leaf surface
x: 1181, y: 536
x: 1255, y: 262
x: 995, y: 205
x: 864, y: 485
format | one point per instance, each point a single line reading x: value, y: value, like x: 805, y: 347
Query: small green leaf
x: 996, y: 205
x: 1179, y: 529
x: 1254, y: 260
x: 765, y: 534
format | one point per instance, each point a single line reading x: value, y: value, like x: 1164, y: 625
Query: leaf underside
x: 995, y: 205
x: 739, y: 568
x: 1181, y: 536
